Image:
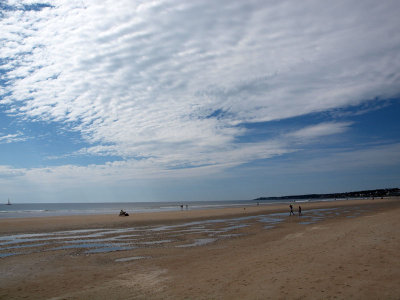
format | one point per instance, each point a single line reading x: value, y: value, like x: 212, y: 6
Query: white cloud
x: 320, y: 130
x: 7, y: 172
x: 126, y: 173
x: 345, y: 160
x: 373, y: 157
x: 12, y: 138
x: 141, y: 78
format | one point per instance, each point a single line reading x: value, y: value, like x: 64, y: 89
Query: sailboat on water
x: 8, y: 202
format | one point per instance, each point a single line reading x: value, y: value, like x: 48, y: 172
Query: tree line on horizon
x: 357, y: 194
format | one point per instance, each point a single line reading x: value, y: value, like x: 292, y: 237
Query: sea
x: 28, y: 210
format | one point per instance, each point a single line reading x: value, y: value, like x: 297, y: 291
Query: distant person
x: 181, y: 206
x: 187, y: 207
x: 291, y: 210
x: 299, y: 210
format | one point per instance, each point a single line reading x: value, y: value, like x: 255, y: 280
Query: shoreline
x: 58, y: 223
x: 43, y: 210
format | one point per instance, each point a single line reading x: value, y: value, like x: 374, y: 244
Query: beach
x: 336, y: 250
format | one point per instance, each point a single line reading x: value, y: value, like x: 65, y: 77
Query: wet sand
x: 46, y: 224
x: 350, y: 252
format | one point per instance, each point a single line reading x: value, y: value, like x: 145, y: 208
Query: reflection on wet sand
x: 190, y: 234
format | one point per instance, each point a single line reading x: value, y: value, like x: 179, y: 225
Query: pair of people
x: 291, y: 210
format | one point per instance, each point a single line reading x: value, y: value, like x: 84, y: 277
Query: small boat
x: 8, y: 202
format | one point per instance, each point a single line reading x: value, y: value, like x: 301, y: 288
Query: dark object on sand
x: 123, y: 213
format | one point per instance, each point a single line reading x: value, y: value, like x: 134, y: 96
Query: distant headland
x: 357, y: 194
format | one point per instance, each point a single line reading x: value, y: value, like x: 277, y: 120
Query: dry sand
x: 337, y: 258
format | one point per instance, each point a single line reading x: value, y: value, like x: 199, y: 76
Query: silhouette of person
x: 299, y: 210
x: 291, y: 210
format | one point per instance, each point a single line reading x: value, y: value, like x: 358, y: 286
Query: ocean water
x: 27, y: 210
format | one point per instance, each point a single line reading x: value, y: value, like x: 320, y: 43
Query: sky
x: 114, y: 101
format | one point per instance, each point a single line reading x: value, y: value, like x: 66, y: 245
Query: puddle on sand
x: 108, y: 249
x: 62, y: 236
x: 7, y: 254
x: 125, y: 259
x: 233, y: 227
x: 198, y: 242
x: 269, y: 226
x: 269, y: 220
x: 156, y: 242
x: 307, y: 223
x: 284, y: 214
x: 96, y: 248
x: 230, y: 235
x: 103, y: 240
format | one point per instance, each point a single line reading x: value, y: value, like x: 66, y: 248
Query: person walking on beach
x: 299, y: 210
x: 291, y: 210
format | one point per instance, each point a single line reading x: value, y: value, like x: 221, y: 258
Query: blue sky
x: 200, y: 100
